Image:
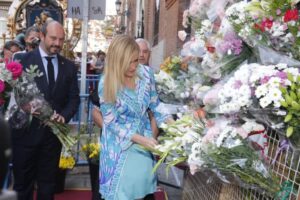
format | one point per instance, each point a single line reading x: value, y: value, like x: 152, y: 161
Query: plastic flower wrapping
x: 269, y: 93
x: 9, y: 74
x: 180, y: 82
x: 235, y: 152
x: 30, y: 102
x: 271, y: 23
x: 214, y: 51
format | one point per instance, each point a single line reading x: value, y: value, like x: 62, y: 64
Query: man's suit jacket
x: 64, y: 98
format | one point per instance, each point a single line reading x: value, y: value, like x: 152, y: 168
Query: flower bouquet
x: 92, y: 151
x: 267, y: 92
x: 9, y: 74
x: 30, y: 100
x: 66, y: 161
x: 220, y: 146
x: 89, y: 144
x: 178, y: 86
x: 270, y: 23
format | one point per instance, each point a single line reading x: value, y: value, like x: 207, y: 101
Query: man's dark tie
x: 50, y: 69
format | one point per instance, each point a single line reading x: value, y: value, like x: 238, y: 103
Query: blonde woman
x: 126, y: 92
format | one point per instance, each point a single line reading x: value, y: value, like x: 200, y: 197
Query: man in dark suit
x: 36, y: 150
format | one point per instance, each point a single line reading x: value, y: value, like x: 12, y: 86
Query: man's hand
x: 57, y: 117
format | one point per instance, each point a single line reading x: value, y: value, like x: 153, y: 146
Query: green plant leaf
x: 288, y: 117
x: 289, y: 131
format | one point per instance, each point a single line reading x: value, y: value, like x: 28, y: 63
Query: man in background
x: 32, y: 40
x: 145, y: 51
x: 144, y: 57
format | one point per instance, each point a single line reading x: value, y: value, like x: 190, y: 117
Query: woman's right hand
x: 145, y: 141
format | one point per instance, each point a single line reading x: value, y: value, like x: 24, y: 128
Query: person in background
x: 36, y: 149
x: 32, y: 40
x: 9, y: 49
x: 145, y: 51
x: 98, y: 66
x: 144, y: 57
x: 126, y: 92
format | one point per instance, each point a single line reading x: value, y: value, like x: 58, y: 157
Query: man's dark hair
x: 31, y: 29
x: 100, y: 53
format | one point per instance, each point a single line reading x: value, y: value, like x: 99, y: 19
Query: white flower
x: 274, y: 81
x: 261, y: 91
x: 275, y: 94
x: 265, y: 101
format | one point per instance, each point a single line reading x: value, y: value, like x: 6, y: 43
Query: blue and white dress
x: 126, y: 168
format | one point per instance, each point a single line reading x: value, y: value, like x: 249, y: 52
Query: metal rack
x: 284, y: 164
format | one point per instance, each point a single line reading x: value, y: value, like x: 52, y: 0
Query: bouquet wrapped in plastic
x: 271, y: 23
x: 268, y: 93
x: 30, y: 102
x: 220, y: 146
x: 9, y: 74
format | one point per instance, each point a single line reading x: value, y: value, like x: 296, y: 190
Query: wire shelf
x: 284, y: 164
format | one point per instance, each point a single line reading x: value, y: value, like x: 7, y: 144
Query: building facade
x: 158, y: 21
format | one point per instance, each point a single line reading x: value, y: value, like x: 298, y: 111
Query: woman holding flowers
x: 126, y: 92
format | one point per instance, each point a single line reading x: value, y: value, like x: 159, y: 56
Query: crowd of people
x: 125, y: 110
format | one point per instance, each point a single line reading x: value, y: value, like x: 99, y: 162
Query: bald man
x: 36, y: 150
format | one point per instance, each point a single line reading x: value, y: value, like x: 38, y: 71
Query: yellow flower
x: 66, y: 162
x: 91, y: 150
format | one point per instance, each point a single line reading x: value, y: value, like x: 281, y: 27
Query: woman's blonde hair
x: 118, y: 58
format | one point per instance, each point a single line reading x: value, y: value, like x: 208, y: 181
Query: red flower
x: 211, y: 49
x: 15, y: 68
x: 267, y: 23
x: 259, y: 27
x: 291, y: 15
x: 2, y: 86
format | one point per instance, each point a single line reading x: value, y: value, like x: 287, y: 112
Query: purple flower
x: 230, y: 43
x: 278, y: 12
x: 281, y: 75
x: 265, y: 79
x: 237, y: 84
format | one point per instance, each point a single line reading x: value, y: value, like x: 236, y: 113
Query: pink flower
x: 211, y: 97
x: 211, y: 134
x: 182, y: 35
x: 15, y: 68
x: 242, y: 132
x: 194, y: 168
x: 278, y: 12
x: 2, y: 86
